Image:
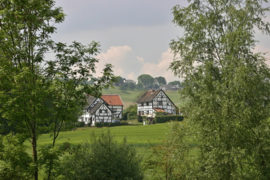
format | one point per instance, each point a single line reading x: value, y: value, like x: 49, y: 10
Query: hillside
x: 129, y: 96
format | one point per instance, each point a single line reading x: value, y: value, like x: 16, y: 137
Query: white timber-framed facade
x: 155, y: 101
x: 103, y: 109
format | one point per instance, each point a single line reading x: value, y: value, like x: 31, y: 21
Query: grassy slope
x: 129, y: 96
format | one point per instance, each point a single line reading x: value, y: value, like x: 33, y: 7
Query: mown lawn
x: 137, y: 135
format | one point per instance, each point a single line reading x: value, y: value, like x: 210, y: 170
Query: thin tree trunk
x: 34, y: 149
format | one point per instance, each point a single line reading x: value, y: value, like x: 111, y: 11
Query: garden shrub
x: 163, y: 119
x: 80, y: 124
x: 98, y: 124
x: 132, y: 117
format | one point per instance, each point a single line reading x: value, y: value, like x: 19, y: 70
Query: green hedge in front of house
x: 110, y: 124
x: 163, y: 119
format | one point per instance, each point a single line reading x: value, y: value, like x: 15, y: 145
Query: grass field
x: 139, y: 136
x: 129, y: 97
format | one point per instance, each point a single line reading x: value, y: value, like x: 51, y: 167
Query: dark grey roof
x: 96, y: 107
x: 89, y: 101
x: 148, y: 96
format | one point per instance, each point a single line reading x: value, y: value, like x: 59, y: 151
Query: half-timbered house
x: 103, y: 109
x: 155, y: 101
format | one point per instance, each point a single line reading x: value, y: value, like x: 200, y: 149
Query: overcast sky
x: 134, y: 34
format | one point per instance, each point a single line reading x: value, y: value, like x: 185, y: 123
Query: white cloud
x: 161, y: 68
x: 141, y: 59
x: 125, y: 63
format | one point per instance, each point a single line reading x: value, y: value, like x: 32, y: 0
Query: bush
x: 132, y: 117
x: 102, y: 158
x: 139, y: 118
x: 80, y: 124
x: 163, y: 119
x: 110, y: 124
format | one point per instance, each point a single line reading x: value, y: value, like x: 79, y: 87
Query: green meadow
x: 129, y: 96
x: 139, y: 136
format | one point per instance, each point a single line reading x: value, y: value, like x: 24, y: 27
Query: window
x: 142, y: 112
x: 147, y: 104
x: 106, y: 111
x: 160, y: 103
x: 141, y: 104
x: 100, y: 111
x: 147, y: 112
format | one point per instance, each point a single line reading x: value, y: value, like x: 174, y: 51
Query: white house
x: 103, y: 109
x: 154, y: 101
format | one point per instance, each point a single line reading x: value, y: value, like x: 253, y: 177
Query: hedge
x: 80, y: 124
x: 132, y: 117
x: 110, y: 124
x: 163, y: 119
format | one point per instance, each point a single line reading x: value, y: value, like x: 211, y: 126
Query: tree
x: 103, y: 158
x: 227, y: 86
x: 119, y: 81
x: 161, y: 80
x: 131, y: 86
x: 123, y: 87
x: 33, y: 91
x: 146, y: 80
x: 175, y: 83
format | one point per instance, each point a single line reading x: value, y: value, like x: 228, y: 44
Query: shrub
x: 103, y: 158
x: 80, y: 124
x: 163, y: 119
x: 132, y: 117
x: 139, y: 118
x: 110, y: 124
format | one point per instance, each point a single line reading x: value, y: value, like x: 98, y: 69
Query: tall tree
x: 227, y: 85
x: 28, y: 82
x: 161, y: 80
x: 146, y: 80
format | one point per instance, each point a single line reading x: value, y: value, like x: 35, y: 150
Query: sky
x: 134, y: 34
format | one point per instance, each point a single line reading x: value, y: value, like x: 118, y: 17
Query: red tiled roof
x: 114, y: 100
x: 159, y: 110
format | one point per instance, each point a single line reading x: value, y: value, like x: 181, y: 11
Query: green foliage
x: 146, y: 80
x: 161, y: 80
x: 119, y: 81
x: 15, y: 162
x: 131, y: 86
x: 227, y: 86
x: 172, y: 159
x: 103, y: 158
x: 123, y: 87
x: 140, y: 119
x: 132, y: 117
x: 166, y: 118
x: 97, y: 124
x: 80, y: 124
x: 175, y: 83
x: 39, y: 95
x: 131, y: 110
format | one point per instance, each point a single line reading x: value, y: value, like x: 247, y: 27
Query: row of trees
x: 145, y: 81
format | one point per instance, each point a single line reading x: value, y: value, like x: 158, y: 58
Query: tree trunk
x: 34, y: 149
